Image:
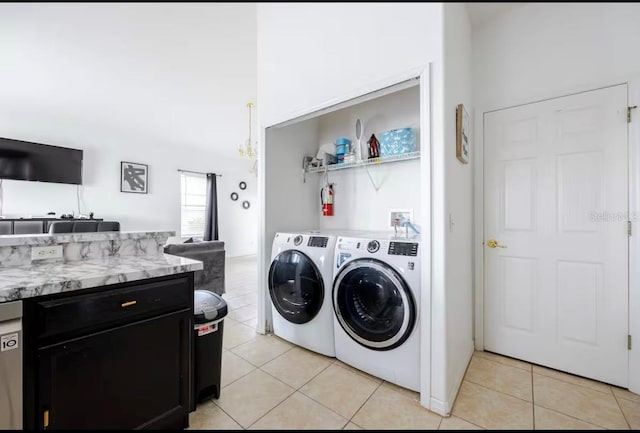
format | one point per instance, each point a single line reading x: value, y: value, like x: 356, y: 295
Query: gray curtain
x: 211, y: 212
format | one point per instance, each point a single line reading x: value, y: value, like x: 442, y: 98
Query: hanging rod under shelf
x: 367, y: 162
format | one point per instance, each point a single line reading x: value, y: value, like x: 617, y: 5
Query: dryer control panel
x: 403, y: 249
x: 318, y: 241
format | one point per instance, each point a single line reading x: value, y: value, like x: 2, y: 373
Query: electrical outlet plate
x: 49, y: 252
x: 406, y: 214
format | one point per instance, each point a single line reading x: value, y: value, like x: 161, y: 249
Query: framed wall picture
x: 462, y: 134
x: 134, y: 177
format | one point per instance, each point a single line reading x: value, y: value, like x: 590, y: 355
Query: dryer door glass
x: 295, y: 286
x: 373, y: 304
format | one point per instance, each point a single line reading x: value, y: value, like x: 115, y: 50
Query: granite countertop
x: 44, y: 278
x: 61, y: 238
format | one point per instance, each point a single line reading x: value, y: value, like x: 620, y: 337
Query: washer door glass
x: 373, y: 304
x: 295, y: 286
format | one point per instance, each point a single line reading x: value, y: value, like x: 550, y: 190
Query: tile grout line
x: 320, y: 403
x: 573, y: 417
x: 488, y: 358
x: 620, y: 407
x: 273, y: 408
x: 451, y: 414
x: 499, y: 363
x: 358, y: 372
x: 461, y: 416
x: 237, y: 379
x: 610, y: 393
x: 533, y: 401
x: 238, y: 279
x: 555, y: 378
x: 297, y: 389
x: 308, y: 396
x: 294, y: 391
x: 259, y: 366
x: 365, y: 402
x: 227, y: 414
x: 255, y: 367
x: 470, y: 422
x: 464, y: 377
x: 262, y: 371
x: 498, y: 391
x: 576, y: 384
x: 237, y: 345
x: 349, y: 421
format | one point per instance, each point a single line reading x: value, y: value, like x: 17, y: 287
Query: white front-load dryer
x: 300, y: 281
x: 376, y: 299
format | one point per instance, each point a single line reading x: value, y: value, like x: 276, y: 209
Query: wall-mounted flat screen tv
x: 23, y: 160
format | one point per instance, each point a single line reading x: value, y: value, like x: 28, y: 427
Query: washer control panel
x: 318, y: 241
x: 403, y: 249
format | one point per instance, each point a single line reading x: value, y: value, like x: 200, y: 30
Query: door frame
x: 431, y: 197
x: 633, y: 145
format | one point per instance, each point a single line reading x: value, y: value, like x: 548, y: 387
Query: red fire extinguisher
x: 326, y: 198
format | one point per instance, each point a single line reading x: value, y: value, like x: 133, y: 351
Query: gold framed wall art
x: 462, y: 134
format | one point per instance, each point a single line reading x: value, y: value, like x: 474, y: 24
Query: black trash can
x: 209, y: 311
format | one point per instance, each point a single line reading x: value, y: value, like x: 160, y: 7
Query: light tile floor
x: 268, y: 383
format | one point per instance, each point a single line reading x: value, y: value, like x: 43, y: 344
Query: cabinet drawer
x: 103, y: 380
x: 111, y: 306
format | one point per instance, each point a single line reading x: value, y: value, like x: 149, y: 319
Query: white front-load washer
x: 300, y: 281
x: 376, y: 299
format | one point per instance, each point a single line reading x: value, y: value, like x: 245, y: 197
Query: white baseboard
x: 444, y: 408
x: 460, y: 375
x: 439, y: 407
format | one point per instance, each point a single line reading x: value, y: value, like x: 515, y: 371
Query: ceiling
x: 482, y: 13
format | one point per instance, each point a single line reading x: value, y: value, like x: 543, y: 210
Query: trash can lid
x: 208, y: 306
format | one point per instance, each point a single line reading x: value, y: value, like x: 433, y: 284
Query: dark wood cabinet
x: 112, y: 366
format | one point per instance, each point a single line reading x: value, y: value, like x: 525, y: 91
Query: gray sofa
x: 212, y: 255
x: 86, y: 226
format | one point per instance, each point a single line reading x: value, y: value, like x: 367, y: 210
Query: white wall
x: 541, y: 51
x: 357, y: 204
x: 160, y: 84
x: 289, y: 201
x: 544, y: 50
x: 458, y: 314
x: 311, y: 54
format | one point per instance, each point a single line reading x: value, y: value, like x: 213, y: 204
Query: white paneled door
x: 556, y: 245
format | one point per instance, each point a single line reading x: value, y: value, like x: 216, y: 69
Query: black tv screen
x: 23, y: 160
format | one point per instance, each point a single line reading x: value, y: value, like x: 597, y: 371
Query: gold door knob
x: 492, y: 243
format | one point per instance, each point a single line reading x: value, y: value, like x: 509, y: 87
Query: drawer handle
x: 129, y: 303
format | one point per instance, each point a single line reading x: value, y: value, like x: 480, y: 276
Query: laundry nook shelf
x: 367, y: 162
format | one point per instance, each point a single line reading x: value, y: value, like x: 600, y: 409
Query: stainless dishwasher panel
x: 11, y: 365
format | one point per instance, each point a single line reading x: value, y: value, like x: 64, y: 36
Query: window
x: 193, y: 189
